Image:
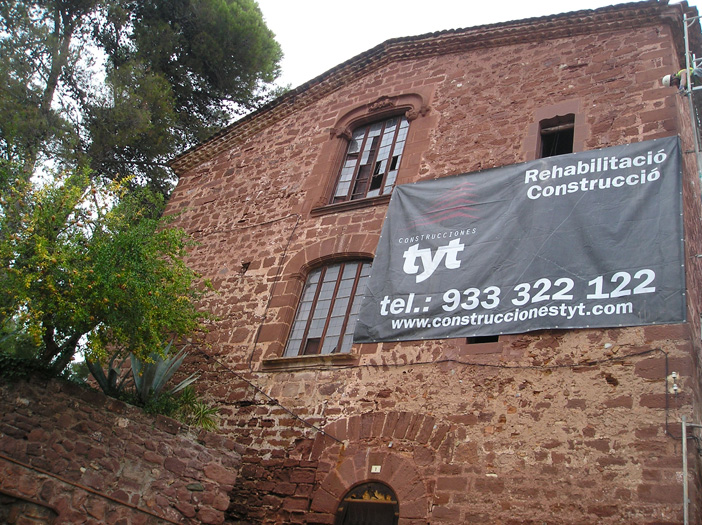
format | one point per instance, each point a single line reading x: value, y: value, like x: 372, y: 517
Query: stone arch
x: 358, y: 246
x: 399, y: 443
x: 345, y: 247
x: 412, y: 105
x: 368, y: 500
x: 397, y: 471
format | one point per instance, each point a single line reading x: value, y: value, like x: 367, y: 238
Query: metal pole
x: 688, y: 94
x: 686, y: 518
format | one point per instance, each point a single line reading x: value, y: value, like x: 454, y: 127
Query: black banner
x: 590, y: 239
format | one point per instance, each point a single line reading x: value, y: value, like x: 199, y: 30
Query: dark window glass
x: 327, y: 313
x: 372, y: 160
x: 479, y: 339
x: 557, y: 135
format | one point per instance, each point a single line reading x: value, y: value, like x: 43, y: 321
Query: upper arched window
x: 372, y: 159
x: 327, y: 313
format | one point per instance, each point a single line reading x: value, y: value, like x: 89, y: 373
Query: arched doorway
x: 371, y: 503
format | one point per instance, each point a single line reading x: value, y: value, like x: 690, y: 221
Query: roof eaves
x: 629, y: 15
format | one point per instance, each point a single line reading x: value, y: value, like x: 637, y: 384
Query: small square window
x: 557, y: 135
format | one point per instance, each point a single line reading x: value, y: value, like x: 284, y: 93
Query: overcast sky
x: 317, y: 35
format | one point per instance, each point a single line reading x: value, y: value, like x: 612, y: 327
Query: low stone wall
x: 71, y: 455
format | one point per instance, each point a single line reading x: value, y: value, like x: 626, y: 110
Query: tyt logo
x: 431, y: 262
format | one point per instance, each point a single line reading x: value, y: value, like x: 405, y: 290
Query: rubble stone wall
x: 73, y: 455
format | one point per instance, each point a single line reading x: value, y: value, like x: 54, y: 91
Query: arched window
x: 372, y: 159
x: 327, y: 313
x: 368, y: 504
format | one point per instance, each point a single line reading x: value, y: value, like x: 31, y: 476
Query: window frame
x: 350, y: 310
x: 414, y: 106
x: 544, y: 116
x: 558, y: 127
x: 368, y: 164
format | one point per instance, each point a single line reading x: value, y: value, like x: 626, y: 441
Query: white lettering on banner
x: 585, y: 184
x: 596, y: 165
x: 431, y: 262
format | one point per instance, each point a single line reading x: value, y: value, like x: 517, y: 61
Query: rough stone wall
x: 554, y: 426
x: 81, y: 457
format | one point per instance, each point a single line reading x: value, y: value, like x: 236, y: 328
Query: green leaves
x: 121, y: 86
x: 87, y: 266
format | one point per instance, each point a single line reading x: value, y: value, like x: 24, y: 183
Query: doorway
x: 371, y: 503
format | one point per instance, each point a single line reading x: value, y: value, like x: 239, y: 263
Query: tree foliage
x: 121, y: 85
x: 88, y: 266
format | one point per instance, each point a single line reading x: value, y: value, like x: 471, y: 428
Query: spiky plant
x: 152, y: 375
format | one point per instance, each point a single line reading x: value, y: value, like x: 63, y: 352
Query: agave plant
x: 150, y: 377
x: 114, y: 380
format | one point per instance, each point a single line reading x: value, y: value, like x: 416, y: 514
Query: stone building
x: 576, y: 425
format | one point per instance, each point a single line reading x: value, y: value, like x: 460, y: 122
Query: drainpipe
x: 686, y: 499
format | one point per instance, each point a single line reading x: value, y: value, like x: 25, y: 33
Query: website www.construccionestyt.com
x: 564, y: 311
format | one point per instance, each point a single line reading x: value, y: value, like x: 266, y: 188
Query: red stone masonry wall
x: 576, y: 426
x: 93, y: 459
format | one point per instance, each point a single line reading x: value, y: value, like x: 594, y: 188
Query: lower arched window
x: 326, y: 315
x: 368, y: 504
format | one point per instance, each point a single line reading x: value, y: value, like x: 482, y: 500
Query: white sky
x: 317, y: 35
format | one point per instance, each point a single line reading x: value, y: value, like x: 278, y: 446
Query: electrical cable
x: 590, y: 363
x: 83, y: 487
x: 269, y: 398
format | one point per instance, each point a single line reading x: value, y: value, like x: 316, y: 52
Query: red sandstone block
x: 366, y: 428
x: 284, y: 488
x: 186, y: 509
x: 426, y: 430
x: 440, y: 432
x: 167, y: 424
x: 655, y: 368
x: 456, y: 484
x: 353, y: 428
x: 414, y: 509
x: 174, y: 465
x: 647, y: 433
x: 219, y: 474
x: 491, y: 485
x: 620, y: 402
x: 666, y: 332
x: 599, y: 444
x: 152, y: 457
x: 302, y: 476
x: 292, y: 504
x: 324, y: 502
x: 414, y: 427
x: 576, y: 403
x: 210, y: 516
x: 659, y: 400
x: 442, y: 514
x: 608, y: 461
x: 657, y: 493
x: 321, y: 519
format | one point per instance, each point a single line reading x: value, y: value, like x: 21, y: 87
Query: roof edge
x: 629, y: 15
